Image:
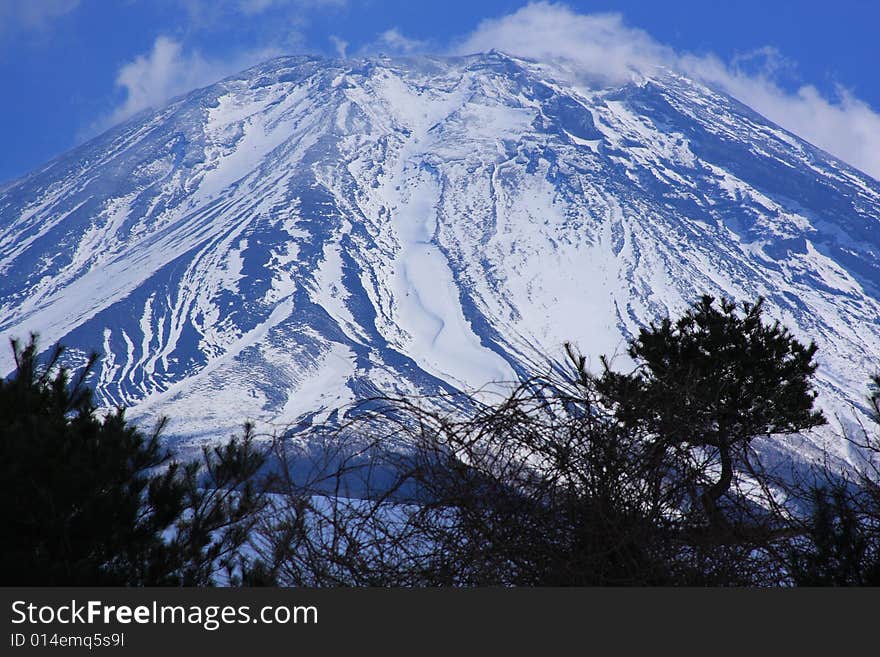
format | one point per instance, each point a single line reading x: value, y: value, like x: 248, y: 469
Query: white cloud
x: 32, y: 14
x: 394, y: 42
x: 255, y: 6
x: 304, y: 4
x: 844, y: 126
x: 168, y: 70
x: 156, y: 76
x: 340, y: 45
x: 603, y: 47
x: 203, y: 13
x: 250, y: 7
x: 165, y: 71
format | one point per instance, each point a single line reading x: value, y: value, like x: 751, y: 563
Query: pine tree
x: 88, y: 500
x: 713, y: 380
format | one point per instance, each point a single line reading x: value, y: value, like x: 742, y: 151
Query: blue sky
x: 72, y: 68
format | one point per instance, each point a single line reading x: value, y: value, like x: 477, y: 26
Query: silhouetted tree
x: 837, y: 548
x: 88, y: 500
x: 709, y: 383
x: 839, y: 544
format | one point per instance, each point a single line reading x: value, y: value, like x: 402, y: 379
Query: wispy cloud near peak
x: 604, y: 47
x: 601, y: 45
x: 168, y: 70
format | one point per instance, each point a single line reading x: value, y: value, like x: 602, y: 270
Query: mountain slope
x: 310, y: 231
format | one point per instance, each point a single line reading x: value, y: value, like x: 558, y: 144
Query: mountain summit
x: 311, y: 230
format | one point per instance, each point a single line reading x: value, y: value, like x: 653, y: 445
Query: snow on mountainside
x: 311, y: 230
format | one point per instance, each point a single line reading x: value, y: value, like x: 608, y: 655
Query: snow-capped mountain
x: 311, y: 230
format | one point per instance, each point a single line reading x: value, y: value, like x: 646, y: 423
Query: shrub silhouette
x: 88, y: 500
x: 571, y: 479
